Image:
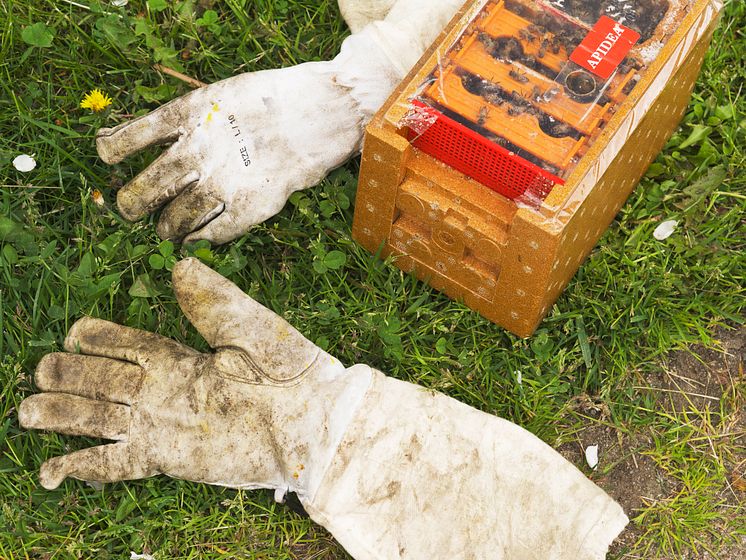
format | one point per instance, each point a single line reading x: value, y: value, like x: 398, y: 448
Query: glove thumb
x: 228, y: 318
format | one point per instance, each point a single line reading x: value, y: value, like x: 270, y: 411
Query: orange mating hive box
x: 494, y: 168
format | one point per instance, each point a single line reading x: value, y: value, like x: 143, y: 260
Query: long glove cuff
x: 420, y: 475
x: 367, y: 71
x: 375, y: 59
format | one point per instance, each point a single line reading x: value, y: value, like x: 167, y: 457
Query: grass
x: 590, y: 364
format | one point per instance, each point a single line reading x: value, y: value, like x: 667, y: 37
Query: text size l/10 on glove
x: 241, y: 146
x: 391, y: 470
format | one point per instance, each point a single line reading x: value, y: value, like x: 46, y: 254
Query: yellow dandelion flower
x: 96, y: 101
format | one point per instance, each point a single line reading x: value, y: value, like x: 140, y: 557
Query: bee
x: 472, y: 84
x: 527, y: 34
x: 483, y: 115
x: 543, y: 48
x: 499, y: 140
x: 561, y: 129
x: 518, y: 76
x: 531, y: 110
x: 516, y: 110
x: 536, y: 94
x: 488, y: 42
x: 627, y: 65
x: 494, y: 99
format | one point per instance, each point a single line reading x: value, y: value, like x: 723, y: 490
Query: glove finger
x: 104, y: 463
x: 222, y: 229
x: 240, y: 214
x: 158, y: 127
x: 73, y: 415
x: 247, y: 208
x: 89, y: 376
x: 226, y: 317
x: 103, y: 338
x: 161, y: 181
x: 192, y: 209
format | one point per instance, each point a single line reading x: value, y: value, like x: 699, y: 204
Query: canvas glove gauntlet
x: 392, y: 470
x: 241, y: 146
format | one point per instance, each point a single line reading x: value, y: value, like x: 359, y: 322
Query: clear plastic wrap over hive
x: 528, y: 87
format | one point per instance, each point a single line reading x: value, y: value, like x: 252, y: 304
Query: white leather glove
x: 392, y: 470
x: 243, y: 145
x: 359, y: 13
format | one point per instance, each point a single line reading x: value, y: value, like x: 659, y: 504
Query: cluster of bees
x: 548, y: 43
x: 509, y: 49
x: 533, y: 49
x: 496, y: 96
x: 642, y: 15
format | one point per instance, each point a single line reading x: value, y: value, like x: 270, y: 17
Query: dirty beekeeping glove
x: 392, y: 470
x: 359, y: 13
x: 241, y: 146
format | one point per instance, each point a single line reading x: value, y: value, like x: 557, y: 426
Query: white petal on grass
x: 665, y: 229
x: 135, y: 556
x: 119, y: 3
x: 24, y: 163
x: 591, y: 456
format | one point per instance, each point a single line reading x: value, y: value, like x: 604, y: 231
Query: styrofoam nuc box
x: 494, y: 168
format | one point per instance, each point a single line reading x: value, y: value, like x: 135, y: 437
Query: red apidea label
x: 604, y: 48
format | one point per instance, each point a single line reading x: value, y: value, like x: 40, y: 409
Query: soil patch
x: 696, y: 379
x: 699, y: 378
x: 627, y: 475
